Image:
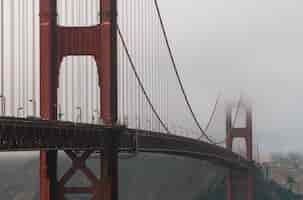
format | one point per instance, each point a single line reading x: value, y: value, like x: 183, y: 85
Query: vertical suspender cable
x: 62, y: 78
x: 136, y: 52
x: 34, y: 101
x: 160, y: 67
x: 94, y: 117
x: 66, y: 74
x: 146, y: 63
x: 145, y: 75
x: 150, y: 54
x: 79, y: 65
x: 140, y: 118
x: 150, y: 59
x: 152, y: 36
x: 61, y: 92
x: 23, y: 56
x: 145, y: 47
x: 60, y: 97
x: 167, y: 95
x: 131, y: 111
x: 137, y: 57
x: 122, y: 64
x: 140, y: 58
x: 73, y: 96
x: 158, y: 81
x: 127, y: 30
x: 2, y: 57
x: 12, y: 55
x: 123, y: 19
x: 97, y: 92
x: 26, y: 67
x: 87, y: 68
x: 90, y: 65
x: 19, y: 55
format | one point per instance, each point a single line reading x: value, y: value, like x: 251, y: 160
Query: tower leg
x: 108, y: 189
x: 48, y: 175
x: 250, y: 186
x: 228, y: 186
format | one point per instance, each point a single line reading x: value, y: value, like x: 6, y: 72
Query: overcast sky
x: 250, y: 45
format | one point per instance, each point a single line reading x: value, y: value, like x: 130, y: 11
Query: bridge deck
x: 19, y: 134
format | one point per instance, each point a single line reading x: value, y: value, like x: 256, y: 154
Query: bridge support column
x: 98, y: 41
x: 236, y: 180
x: 48, y: 94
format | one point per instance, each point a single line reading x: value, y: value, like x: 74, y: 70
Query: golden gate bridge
x: 99, y: 77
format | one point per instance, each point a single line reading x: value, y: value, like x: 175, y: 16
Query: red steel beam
x: 48, y: 93
x: 108, y: 61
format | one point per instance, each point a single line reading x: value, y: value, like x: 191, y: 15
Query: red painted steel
x: 108, y: 72
x: 228, y: 186
x: 48, y: 89
x: 57, y: 42
x: 231, y: 134
x: 78, y: 41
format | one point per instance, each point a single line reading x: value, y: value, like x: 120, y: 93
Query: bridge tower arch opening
x: 79, y: 91
x: 56, y: 43
x: 239, y: 147
x: 235, y: 133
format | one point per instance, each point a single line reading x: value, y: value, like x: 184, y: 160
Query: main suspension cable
x: 212, y: 114
x: 140, y: 82
x: 203, y: 133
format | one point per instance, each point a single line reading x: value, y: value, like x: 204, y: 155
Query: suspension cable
x: 12, y: 58
x: 2, y: 48
x: 203, y: 133
x: 212, y: 114
x: 140, y: 82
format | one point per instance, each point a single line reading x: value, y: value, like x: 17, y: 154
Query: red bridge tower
x: 57, y: 42
x: 234, y: 180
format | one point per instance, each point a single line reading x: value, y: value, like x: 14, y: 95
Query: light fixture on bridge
x: 34, y: 104
x: 3, y: 103
x: 95, y: 117
x: 20, y: 112
x: 79, y: 116
x: 60, y: 113
x: 125, y: 120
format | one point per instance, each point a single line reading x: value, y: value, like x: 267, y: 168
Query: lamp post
x: 79, y: 117
x: 3, y: 103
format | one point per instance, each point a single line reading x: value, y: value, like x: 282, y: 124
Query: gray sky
x: 249, y: 45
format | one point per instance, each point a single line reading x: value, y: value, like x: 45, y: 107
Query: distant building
x: 285, y: 174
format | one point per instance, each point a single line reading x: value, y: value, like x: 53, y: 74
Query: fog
x: 253, y: 46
